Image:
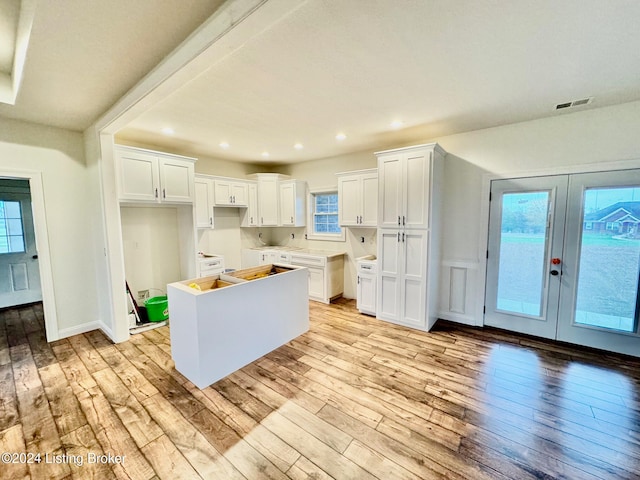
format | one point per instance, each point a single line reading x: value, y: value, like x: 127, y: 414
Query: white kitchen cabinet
x: 293, y: 200
x: 153, y: 177
x: 268, y: 199
x: 366, y: 286
x: 410, y: 182
x: 404, y: 183
x: 326, y: 273
x: 230, y: 192
x: 250, y: 216
x: 358, y: 198
x: 203, y: 203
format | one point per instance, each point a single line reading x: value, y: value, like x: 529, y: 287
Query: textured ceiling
x: 352, y: 66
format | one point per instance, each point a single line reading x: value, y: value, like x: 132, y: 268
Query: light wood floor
x: 354, y: 398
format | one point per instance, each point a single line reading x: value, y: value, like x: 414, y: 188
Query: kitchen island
x: 223, y: 322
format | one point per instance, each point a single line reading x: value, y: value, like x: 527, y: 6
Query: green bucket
x: 157, y: 308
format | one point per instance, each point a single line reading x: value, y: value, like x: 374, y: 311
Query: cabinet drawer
x: 365, y: 268
x: 305, y: 260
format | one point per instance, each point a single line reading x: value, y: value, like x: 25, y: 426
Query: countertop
x: 303, y: 251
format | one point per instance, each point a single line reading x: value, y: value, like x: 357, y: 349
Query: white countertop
x: 303, y: 251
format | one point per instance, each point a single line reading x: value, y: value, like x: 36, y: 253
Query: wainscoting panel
x: 458, y: 287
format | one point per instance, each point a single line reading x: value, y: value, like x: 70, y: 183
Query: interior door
x: 599, y: 303
x: 19, y: 269
x: 526, y: 227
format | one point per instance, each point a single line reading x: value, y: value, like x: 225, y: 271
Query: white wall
x: 150, y: 241
x: 59, y: 155
x: 551, y: 145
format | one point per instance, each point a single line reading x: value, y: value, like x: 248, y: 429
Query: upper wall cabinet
x: 154, y: 177
x: 204, y: 203
x: 358, y: 198
x: 250, y: 216
x: 405, y: 176
x: 293, y: 201
x: 268, y: 199
x: 230, y: 192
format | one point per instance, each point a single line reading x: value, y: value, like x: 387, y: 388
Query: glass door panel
x: 608, y: 263
x: 524, y: 232
x: 525, y: 229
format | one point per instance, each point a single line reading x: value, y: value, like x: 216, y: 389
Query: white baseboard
x: 453, y: 317
x: 78, y: 329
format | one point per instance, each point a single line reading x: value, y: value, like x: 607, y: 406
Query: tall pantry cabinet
x: 409, y: 203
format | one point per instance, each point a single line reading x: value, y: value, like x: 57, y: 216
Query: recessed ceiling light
x: 265, y: 154
x: 168, y: 131
x: 341, y: 136
x: 298, y: 146
x: 224, y: 145
x: 397, y: 124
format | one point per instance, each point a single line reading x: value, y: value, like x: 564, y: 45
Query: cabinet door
x: 417, y: 176
x: 369, y: 194
x: 316, y: 284
x: 367, y: 294
x: 250, y: 215
x: 222, y: 192
x: 176, y: 180
x: 203, y: 202
x: 240, y: 194
x: 268, y: 202
x: 389, y: 275
x: 390, y: 190
x: 414, y: 245
x: 139, y: 176
x: 350, y: 201
x: 287, y: 203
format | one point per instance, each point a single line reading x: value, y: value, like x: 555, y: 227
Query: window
x: 324, y: 216
x: 11, y: 231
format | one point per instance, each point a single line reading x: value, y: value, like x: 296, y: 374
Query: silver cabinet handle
x: 402, y: 219
x: 164, y: 193
x: 398, y: 236
x: 210, y: 220
x: 403, y: 237
x: 291, y: 219
x: 156, y: 193
x: 398, y: 219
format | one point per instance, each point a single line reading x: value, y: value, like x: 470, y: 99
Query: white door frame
x: 487, y: 178
x: 42, y: 244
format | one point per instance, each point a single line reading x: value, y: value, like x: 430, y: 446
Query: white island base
x: 228, y: 325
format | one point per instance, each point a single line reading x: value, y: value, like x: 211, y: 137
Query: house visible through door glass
x: 609, y: 256
x: 11, y: 231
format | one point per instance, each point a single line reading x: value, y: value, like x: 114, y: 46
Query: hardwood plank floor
x: 354, y: 398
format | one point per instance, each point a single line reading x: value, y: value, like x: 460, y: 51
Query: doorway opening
x: 19, y: 266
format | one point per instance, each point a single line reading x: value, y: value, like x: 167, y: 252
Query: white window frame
x: 310, y: 235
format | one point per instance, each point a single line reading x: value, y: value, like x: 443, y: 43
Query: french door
x: 564, y: 258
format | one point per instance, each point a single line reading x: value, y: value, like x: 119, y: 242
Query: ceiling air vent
x: 574, y: 103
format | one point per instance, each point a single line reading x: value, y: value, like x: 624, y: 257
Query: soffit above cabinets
x: 16, y: 20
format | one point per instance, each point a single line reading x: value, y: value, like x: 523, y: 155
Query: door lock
x: 554, y: 272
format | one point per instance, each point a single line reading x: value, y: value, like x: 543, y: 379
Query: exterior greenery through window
x: 325, y: 214
x: 11, y: 232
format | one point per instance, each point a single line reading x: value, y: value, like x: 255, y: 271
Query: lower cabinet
x: 403, y: 277
x: 316, y: 283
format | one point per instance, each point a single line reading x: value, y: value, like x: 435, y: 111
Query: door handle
x: 35, y: 257
x: 554, y: 272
